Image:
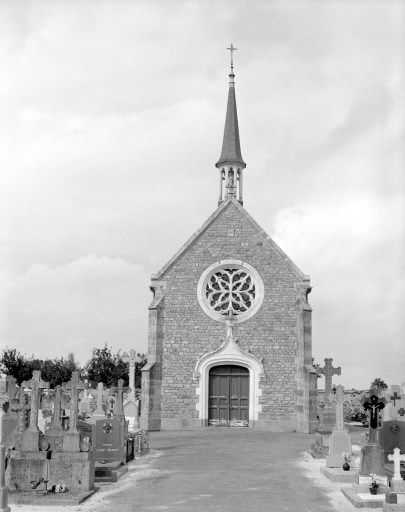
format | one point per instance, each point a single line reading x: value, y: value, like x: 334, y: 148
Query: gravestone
x: 119, y: 405
x: 29, y: 461
x: 372, y: 454
x: 100, y: 412
x: 395, y: 402
x: 54, y: 432
x: 397, y: 483
x: 108, y: 442
x: 131, y: 414
x: 84, y: 406
x: 131, y: 403
x: 339, y: 441
x: 392, y: 435
x: 8, y: 420
x: 31, y: 436
x: 320, y: 448
x: 3, y: 488
x: 73, y: 466
x: 71, y: 438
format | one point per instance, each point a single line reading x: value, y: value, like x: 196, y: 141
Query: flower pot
x: 346, y: 466
x: 373, y: 490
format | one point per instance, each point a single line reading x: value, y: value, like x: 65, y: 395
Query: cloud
x: 75, y: 307
x: 354, y: 250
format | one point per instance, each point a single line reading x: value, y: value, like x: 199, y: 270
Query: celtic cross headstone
x: 328, y: 371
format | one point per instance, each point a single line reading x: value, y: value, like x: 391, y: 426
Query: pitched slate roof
x: 301, y: 276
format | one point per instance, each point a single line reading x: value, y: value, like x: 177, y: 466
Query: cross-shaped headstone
x: 36, y: 385
x: 338, y: 398
x: 100, y: 394
x: 397, y: 458
x: 328, y: 371
x: 120, y: 390
x: 132, y: 359
x: 373, y: 403
x: 12, y: 393
x: 74, y: 385
x: 57, y: 407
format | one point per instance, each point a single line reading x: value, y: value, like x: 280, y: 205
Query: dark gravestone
x: 108, y: 441
x: 392, y: 435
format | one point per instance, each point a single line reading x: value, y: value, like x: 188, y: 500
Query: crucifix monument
x: 372, y: 454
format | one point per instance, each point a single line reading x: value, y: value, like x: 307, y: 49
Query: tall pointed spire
x: 230, y: 163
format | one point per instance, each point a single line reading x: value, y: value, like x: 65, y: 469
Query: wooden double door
x: 228, y: 396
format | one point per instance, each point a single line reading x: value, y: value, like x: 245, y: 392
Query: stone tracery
x: 230, y: 290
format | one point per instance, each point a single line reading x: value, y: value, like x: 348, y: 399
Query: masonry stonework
x: 279, y: 334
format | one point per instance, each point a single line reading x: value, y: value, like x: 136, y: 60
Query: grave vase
x: 346, y: 466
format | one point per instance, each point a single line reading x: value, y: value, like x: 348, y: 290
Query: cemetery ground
x: 221, y: 470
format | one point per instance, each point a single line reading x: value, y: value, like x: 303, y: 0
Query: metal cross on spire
x: 231, y: 50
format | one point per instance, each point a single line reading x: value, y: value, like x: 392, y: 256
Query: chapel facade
x: 229, y: 339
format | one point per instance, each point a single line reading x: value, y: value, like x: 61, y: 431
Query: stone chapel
x: 229, y: 340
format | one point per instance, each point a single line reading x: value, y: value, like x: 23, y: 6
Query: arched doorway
x: 228, y: 393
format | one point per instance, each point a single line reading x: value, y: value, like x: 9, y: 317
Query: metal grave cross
x: 373, y: 403
x: 120, y: 390
x: 75, y: 385
x: 395, y: 397
x: 396, y: 459
x: 36, y: 384
x: 338, y: 398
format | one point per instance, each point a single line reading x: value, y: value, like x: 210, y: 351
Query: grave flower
x: 346, y: 457
x: 375, y: 481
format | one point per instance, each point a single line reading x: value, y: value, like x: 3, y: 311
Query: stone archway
x: 229, y: 353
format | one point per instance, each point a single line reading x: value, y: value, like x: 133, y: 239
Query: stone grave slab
x: 360, y: 497
x: 340, y: 475
x: 73, y: 469
x: 391, y: 436
x: 25, y: 467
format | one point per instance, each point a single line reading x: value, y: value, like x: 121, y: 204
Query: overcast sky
x: 112, y: 121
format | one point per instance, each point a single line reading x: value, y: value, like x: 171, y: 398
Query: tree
x: 107, y: 367
x: 378, y: 384
x: 55, y: 371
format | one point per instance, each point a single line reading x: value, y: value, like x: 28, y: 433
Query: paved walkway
x: 220, y: 470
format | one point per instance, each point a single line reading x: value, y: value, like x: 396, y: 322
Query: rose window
x: 230, y: 290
